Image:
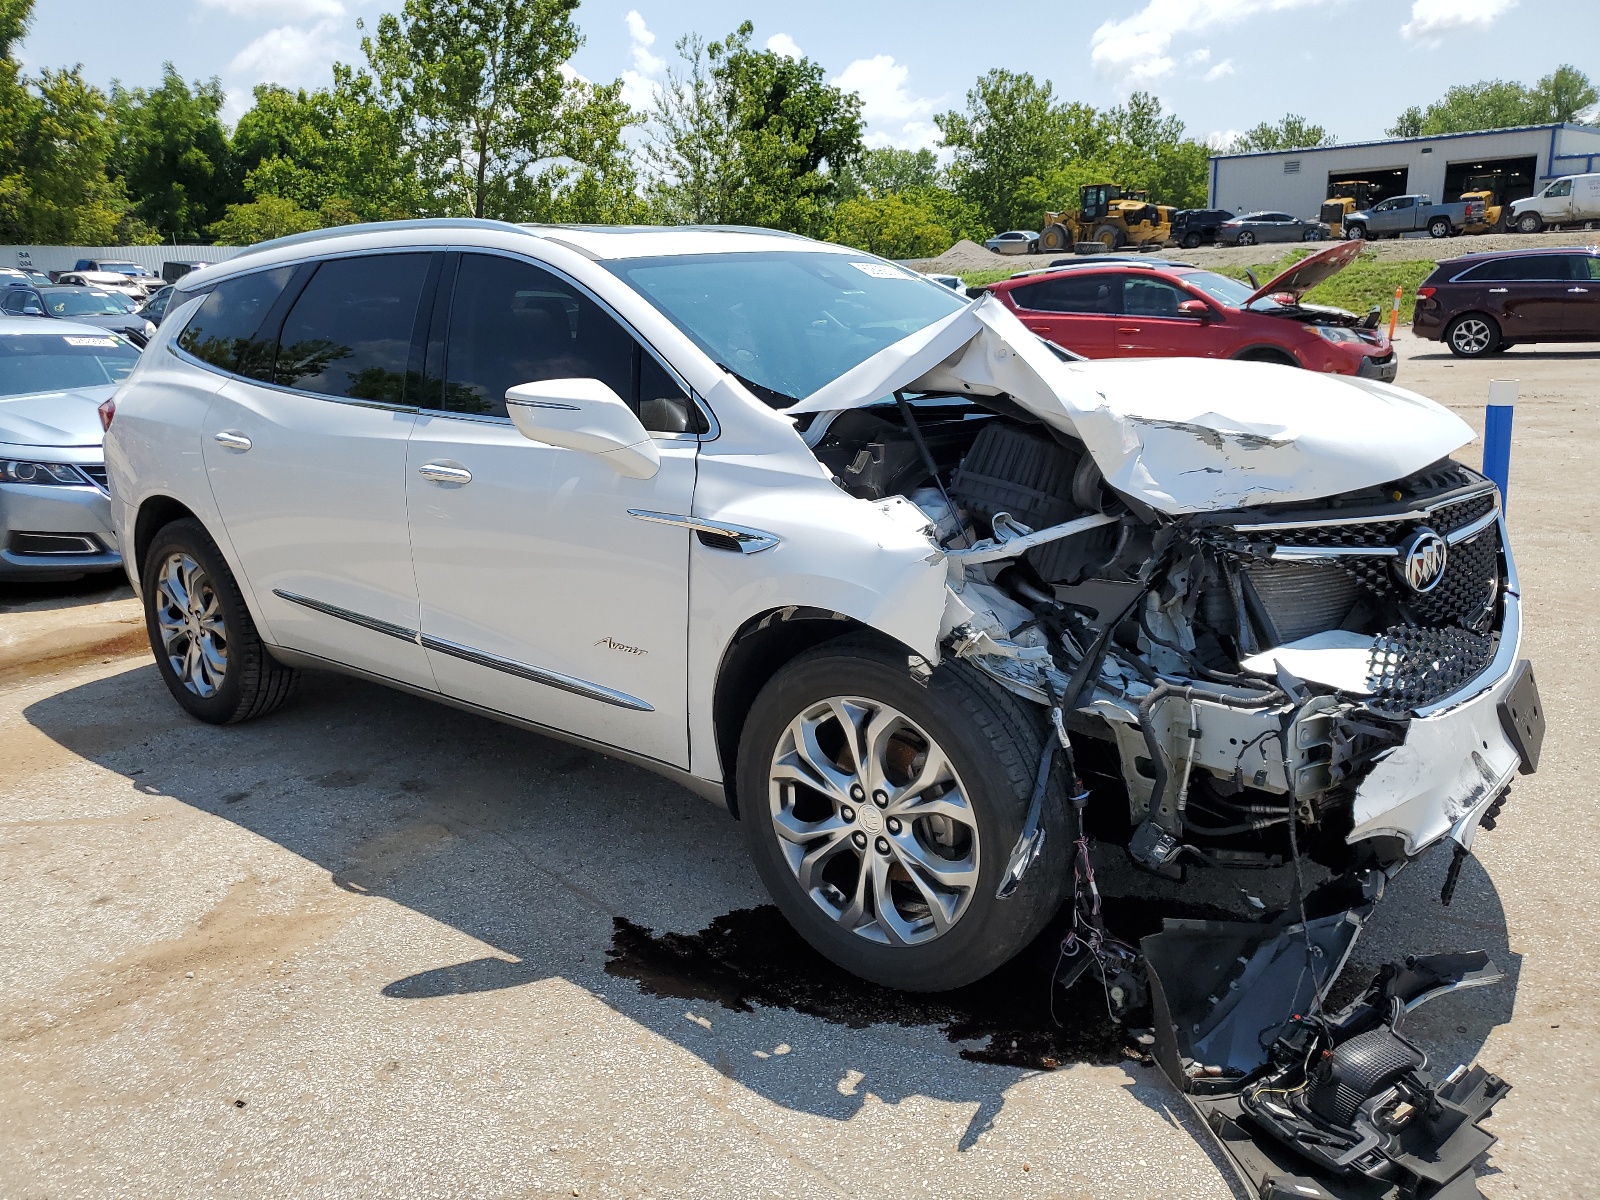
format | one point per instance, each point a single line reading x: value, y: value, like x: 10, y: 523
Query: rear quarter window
x: 225, y: 331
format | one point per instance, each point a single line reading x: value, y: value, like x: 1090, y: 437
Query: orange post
x: 1394, y: 313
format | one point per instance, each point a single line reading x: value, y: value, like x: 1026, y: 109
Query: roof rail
x: 339, y: 231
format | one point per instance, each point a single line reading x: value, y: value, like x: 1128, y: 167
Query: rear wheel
x: 205, y: 642
x: 881, y: 803
x: 1473, y: 335
x: 1439, y: 227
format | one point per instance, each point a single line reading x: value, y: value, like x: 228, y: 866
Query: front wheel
x: 1191, y: 241
x: 1246, y: 238
x: 1355, y: 233
x: 205, y: 642
x: 1530, y: 223
x: 881, y: 802
x: 1311, y: 235
x: 1473, y: 336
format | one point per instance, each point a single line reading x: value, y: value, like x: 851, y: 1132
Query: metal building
x: 1511, y: 162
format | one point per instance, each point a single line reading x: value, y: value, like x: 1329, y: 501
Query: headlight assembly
x: 50, y: 474
x: 1337, y: 333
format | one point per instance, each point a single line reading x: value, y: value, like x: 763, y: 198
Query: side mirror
x: 584, y: 415
x: 1194, y: 308
x: 32, y: 310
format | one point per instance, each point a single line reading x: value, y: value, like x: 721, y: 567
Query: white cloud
x: 640, y: 83
x: 1225, y: 67
x: 1138, y: 48
x: 1223, y: 139
x: 1430, y: 18
x: 782, y: 43
x: 1196, y: 57
x: 893, y: 116
x: 278, y: 10
x: 290, y: 55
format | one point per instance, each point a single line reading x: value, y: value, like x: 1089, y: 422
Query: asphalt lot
x: 360, y: 948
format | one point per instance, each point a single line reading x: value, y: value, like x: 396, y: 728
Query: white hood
x: 1182, y: 435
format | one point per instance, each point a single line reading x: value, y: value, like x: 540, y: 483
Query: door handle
x: 228, y: 439
x: 1127, y: 329
x: 436, y: 472
x: 1492, y: 291
x: 1584, y: 291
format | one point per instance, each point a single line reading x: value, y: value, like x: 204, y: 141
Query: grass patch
x: 1358, y: 287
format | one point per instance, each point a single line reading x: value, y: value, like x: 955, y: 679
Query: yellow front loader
x: 1110, y: 215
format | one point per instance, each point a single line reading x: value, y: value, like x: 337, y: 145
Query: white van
x: 1569, y: 199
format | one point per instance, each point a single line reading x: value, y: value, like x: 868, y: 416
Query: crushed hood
x: 1308, y: 272
x: 1181, y: 435
x: 68, y: 418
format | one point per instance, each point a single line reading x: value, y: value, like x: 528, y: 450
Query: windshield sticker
x: 880, y: 270
x: 89, y: 341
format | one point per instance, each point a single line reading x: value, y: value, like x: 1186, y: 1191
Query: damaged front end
x: 1259, y: 645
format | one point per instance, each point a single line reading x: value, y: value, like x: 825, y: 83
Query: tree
x: 1498, y: 104
x: 172, y: 154
x: 497, y: 122
x: 916, y: 222
x: 1013, y: 129
x: 1291, y: 133
x: 54, y: 144
x: 740, y: 136
x: 887, y: 170
x: 263, y: 218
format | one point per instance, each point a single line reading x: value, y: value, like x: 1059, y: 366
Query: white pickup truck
x: 1570, y: 200
x: 1400, y: 215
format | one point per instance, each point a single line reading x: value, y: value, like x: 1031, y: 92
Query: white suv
x: 919, y: 597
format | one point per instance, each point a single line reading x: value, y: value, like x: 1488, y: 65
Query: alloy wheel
x: 194, y: 635
x: 1471, y: 336
x: 874, y: 821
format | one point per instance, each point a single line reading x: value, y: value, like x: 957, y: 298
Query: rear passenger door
x: 1582, y: 318
x: 305, y: 447
x: 1077, y: 310
x: 543, y: 597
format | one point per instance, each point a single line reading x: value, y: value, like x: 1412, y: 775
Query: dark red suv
x: 1154, y: 309
x: 1482, y: 304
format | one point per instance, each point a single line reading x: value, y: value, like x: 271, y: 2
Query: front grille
x: 97, y: 472
x: 1465, y: 596
x: 1411, y: 667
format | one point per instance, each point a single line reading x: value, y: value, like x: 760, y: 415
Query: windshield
x: 87, y: 304
x: 124, y: 268
x: 788, y: 321
x: 1219, y: 287
x: 55, y: 362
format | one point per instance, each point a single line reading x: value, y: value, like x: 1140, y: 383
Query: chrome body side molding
x: 749, y: 541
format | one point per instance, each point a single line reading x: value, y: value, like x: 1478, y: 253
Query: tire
x: 992, y: 743
x: 1246, y: 238
x: 1280, y: 357
x: 1530, y: 223
x: 1054, y: 238
x: 1355, y: 233
x: 1502, y: 347
x: 1191, y: 241
x: 1110, y: 237
x: 1472, y: 335
x: 1439, y: 227
x: 208, y: 651
x: 1311, y: 235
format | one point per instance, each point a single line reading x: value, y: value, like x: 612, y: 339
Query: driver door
x: 541, y: 596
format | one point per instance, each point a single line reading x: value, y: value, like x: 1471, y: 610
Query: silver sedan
x: 1251, y: 228
x: 55, y: 510
x: 1016, y: 241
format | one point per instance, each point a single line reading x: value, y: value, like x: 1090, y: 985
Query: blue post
x: 1497, y: 435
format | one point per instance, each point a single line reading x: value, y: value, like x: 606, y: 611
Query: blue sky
x: 1222, y: 65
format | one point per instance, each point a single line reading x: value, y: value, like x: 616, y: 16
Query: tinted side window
x: 224, y: 330
x: 349, y: 333
x: 511, y: 323
x: 1073, y: 293
x: 1151, y: 298
x: 1593, y: 262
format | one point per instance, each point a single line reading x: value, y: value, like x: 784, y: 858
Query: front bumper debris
x: 1310, y: 1104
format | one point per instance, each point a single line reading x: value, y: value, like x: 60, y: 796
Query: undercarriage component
x: 1305, y: 1103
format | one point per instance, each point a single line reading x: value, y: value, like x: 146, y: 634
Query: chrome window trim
x: 381, y: 405
x: 482, y: 658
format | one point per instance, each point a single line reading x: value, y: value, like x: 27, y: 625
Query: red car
x: 1154, y: 309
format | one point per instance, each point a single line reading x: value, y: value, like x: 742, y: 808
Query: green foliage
x: 265, y: 217
x: 1497, y: 104
x: 173, y: 155
x: 887, y: 170
x: 1018, y: 152
x: 495, y: 122
x: 750, y: 137
x: 1291, y: 133
x: 919, y: 221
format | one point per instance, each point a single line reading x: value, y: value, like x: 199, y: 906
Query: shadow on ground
x: 565, y: 862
